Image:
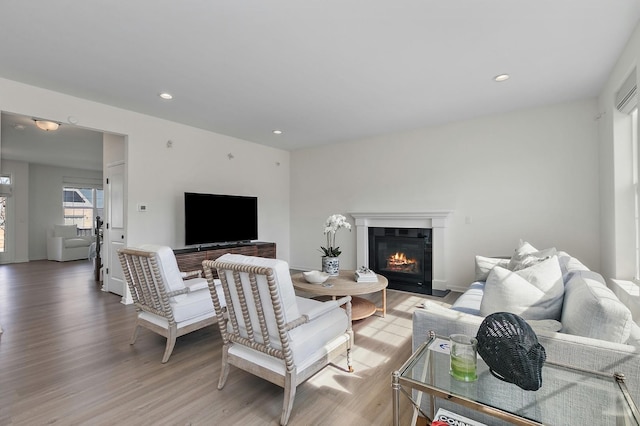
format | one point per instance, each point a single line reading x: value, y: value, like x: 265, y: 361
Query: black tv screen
x: 213, y: 218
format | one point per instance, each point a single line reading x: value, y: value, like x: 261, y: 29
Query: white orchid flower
x: 331, y: 226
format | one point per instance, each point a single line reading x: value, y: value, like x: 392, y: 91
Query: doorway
x: 40, y: 163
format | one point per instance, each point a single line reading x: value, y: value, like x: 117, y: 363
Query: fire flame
x: 400, y: 261
x: 399, y: 258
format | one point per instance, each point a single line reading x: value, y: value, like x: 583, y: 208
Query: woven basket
x: 510, y: 348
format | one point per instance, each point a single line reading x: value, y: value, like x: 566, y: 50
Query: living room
x: 547, y: 173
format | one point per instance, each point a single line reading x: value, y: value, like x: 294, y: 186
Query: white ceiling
x: 322, y: 71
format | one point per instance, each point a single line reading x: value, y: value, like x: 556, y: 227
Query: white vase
x: 331, y: 265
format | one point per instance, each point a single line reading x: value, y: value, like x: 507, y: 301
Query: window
x: 626, y: 181
x: 636, y: 187
x: 81, y: 206
x: 5, y: 182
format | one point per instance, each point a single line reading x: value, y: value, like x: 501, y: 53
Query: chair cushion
x: 168, y: 266
x: 65, y: 231
x: 191, y: 305
x: 309, y: 338
x: 309, y: 342
x: 76, y: 242
x: 532, y: 293
x: 283, y: 280
x: 592, y: 310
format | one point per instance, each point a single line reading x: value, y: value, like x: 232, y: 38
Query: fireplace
x: 403, y: 256
x: 437, y: 221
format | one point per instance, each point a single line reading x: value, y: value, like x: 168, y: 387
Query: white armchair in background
x: 64, y: 243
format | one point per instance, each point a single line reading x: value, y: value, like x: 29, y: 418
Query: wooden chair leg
x: 171, y: 342
x: 289, y: 395
x: 224, y: 372
x: 134, y: 335
x: 349, y: 346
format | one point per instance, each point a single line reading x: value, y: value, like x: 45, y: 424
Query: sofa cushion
x: 484, y: 265
x: 451, y: 314
x: 534, y: 293
x: 77, y: 242
x: 65, y: 231
x: 547, y: 325
x: 469, y: 301
x: 591, y: 309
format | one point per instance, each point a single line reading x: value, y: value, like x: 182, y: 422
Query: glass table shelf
x: 568, y: 394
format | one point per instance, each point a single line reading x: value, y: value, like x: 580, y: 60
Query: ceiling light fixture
x: 166, y: 96
x: 501, y: 77
x: 277, y: 132
x: 46, y: 125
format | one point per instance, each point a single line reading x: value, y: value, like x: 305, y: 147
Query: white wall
x: 113, y: 149
x: 45, y: 202
x: 615, y: 170
x: 529, y: 174
x: 158, y: 175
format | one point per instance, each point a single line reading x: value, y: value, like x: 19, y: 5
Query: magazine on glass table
x: 447, y: 418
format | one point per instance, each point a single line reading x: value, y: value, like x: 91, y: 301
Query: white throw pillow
x: 634, y: 336
x: 534, y: 293
x: 524, y: 248
x: 525, y: 260
x: 484, y: 265
x: 592, y: 310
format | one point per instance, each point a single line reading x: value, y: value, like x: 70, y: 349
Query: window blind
x: 627, y: 96
x: 82, y: 182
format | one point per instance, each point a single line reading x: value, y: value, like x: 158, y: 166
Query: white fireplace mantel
x: 437, y: 220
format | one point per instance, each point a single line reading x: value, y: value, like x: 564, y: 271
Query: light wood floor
x: 65, y: 359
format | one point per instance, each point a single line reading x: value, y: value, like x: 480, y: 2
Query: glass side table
x: 567, y: 393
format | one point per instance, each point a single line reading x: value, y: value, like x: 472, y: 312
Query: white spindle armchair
x: 269, y: 331
x: 166, y: 303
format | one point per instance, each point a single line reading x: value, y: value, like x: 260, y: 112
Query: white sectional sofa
x: 592, y: 329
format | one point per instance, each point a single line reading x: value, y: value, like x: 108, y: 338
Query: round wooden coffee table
x: 346, y: 285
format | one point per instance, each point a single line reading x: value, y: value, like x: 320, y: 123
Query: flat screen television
x: 215, y: 218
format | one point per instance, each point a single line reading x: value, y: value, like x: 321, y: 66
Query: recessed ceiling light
x: 277, y: 132
x: 501, y: 77
x: 166, y: 96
